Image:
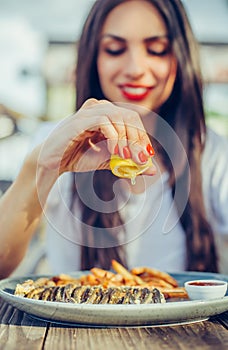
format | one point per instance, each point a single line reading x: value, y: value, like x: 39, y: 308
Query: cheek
x: 104, y: 70
x: 171, y: 76
x: 164, y: 70
x: 167, y: 79
x: 99, y: 67
x: 107, y: 66
x: 104, y: 65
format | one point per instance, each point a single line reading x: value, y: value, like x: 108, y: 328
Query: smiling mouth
x: 135, y: 93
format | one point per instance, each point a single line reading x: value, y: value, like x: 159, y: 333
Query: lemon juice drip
x: 133, y: 181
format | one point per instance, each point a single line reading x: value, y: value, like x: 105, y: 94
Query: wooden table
x: 20, y: 331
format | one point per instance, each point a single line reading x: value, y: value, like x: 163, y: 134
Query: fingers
x: 89, y: 103
x: 138, y: 141
x: 123, y: 129
x: 133, y: 141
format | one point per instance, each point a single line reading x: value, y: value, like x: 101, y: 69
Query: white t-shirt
x: 150, y: 239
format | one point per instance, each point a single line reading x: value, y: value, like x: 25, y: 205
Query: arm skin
x: 21, y: 211
x: 67, y: 148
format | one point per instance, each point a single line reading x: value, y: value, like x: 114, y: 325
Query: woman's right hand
x: 86, y: 140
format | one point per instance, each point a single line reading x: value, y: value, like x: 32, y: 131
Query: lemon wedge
x: 127, y: 168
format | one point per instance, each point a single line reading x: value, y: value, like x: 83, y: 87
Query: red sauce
x: 206, y: 284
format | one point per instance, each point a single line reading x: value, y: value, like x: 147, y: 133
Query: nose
x: 135, y: 64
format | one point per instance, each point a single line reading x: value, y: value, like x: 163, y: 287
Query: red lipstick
x: 134, y: 92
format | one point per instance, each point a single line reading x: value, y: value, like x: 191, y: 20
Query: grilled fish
x: 84, y: 294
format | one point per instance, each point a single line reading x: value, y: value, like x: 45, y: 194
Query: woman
x: 134, y: 56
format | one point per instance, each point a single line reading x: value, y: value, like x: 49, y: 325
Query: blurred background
x: 38, y: 51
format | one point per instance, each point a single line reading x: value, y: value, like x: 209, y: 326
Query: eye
x: 158, y: 48
x: 115, y: 52
x: 158, y: 53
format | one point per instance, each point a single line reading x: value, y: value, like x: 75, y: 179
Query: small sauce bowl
x: 205, y: 289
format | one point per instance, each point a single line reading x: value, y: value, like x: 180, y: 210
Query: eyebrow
x: 149, y: 39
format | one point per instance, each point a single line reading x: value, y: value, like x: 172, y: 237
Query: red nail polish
x: 116, y: 150
x: 142, y: 157
x: 150, y: 150
x: 126, y: 152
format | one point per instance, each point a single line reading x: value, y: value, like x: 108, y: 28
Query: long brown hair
x: 184, y: 113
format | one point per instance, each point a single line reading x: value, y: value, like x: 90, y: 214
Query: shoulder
x: 215, y: 158
x: 215, y: 180
x: 216, y: 149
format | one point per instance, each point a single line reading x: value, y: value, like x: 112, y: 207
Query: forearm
x: 21, y: 209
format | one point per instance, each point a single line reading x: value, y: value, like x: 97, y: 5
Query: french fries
x: 125, y: 273
x: 174, y: 293
x: 138, y: 276
x: 146, y: 271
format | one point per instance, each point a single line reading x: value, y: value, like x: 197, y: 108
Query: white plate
x: 177, y: 312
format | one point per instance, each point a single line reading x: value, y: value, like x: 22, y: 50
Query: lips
x: 135, y: 93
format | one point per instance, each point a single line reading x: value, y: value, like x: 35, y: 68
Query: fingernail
x: 150, y: 150
x: 116, y: 149
x: 142, y: 157
x: 126, y: 152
